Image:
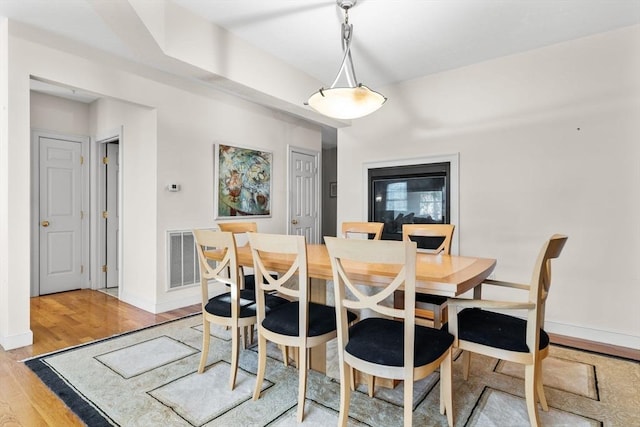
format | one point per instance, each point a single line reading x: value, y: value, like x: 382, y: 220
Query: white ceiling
x: 394, y: 40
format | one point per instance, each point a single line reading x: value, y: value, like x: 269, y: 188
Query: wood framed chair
x: 479, y: 330
x: 436, y: 239
x: 241, y: 228
x: 373, y: 230
x: 248, y: 281
x: 299, y: 323
x: 392, y: 346
x: 235, y: 309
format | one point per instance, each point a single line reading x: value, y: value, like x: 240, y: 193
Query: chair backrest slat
x: 541, y: 277
x: 238, y: 227
x: 349, y: 229
x: 239, y: 230
x: 443, y: 231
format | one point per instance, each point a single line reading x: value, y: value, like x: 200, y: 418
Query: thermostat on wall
x: 173, y: 187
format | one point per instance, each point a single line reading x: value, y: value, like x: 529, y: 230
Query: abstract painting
x: 243, y: 186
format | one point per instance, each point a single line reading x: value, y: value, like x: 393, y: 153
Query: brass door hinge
x: 104, y: 268
x: 105, y: 214
x: 105, y: 160
x: 82, y: 160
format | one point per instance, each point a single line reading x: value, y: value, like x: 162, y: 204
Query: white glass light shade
x: 346, y: 102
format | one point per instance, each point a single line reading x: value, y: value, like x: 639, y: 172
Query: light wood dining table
x: 446, y: 275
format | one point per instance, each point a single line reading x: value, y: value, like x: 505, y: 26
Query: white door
x: 61, y: 216
x: 110, y: 214
x: 303, y: 188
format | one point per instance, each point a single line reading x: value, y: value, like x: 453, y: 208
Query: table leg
x: 477, y: 292
x: 318, y: 354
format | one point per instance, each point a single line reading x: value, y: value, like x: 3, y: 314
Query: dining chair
x: 299, y: 323
x: 373, y: 230
x: 479, y: 330
x: 235, y: 309
x: 239, y: 228
x: 391, y: 345
x: 436, y: 239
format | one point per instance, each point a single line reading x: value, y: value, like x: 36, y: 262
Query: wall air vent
x: 182, y: 259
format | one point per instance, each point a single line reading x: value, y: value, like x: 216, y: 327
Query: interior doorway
x: 304, y: 194
x: 60, y: 192
x: 108, y: 214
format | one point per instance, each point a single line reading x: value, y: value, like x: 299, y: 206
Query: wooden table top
x: 446, y: 275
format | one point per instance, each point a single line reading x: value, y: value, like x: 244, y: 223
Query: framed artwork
x: 333, y: 189
x: 243, y: 182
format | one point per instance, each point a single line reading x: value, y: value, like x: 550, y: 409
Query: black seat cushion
x: 220, y: 305
x: 431, y: 299
x: 496, y: 330
x: 250, y: 280
x: 428, y: 242
x: 285, y: 320
x: 381, y: 341
x: 272, y: 302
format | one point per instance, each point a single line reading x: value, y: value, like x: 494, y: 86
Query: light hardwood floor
x: 59, y: 321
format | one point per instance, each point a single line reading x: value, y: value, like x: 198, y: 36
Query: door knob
x: 45, y: 223
x: 294, y: 221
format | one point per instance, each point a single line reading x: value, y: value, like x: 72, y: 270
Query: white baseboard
x: 16, y: 341
x: 141, y: 303
x: 178, y: 303
x: 589, y: 334
x: 156, y: 308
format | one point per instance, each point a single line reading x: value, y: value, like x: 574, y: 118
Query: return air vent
x: 183, y: 259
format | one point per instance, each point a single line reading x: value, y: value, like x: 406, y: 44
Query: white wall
x: 168, y: 136
x: 14, y: 199
x: 59, y: 114
x: 548, y: 142
x: 186, y: 156
x: 9, y: 336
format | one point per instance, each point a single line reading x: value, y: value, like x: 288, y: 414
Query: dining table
x: 436, y: 274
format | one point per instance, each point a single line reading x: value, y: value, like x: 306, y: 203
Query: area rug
x: 149, y: 378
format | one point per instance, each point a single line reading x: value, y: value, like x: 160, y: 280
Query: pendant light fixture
x: 351, y: 102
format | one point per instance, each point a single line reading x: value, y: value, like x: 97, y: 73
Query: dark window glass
x: 409, y: 195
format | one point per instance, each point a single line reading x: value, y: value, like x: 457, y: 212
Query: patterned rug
x: 149, y: 378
